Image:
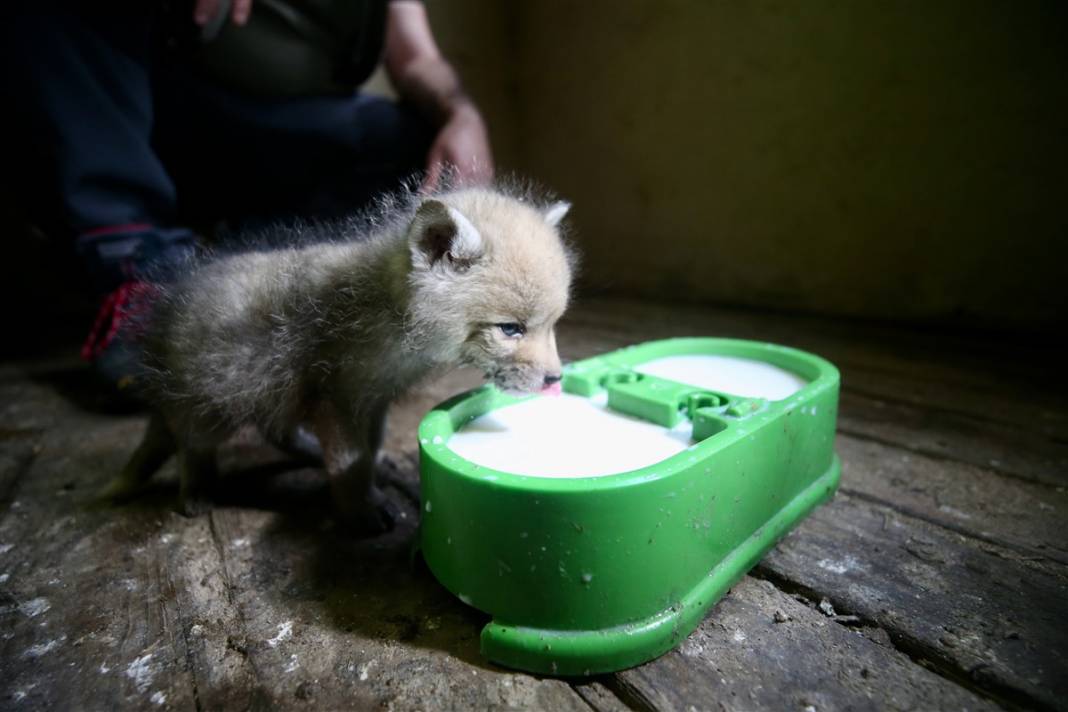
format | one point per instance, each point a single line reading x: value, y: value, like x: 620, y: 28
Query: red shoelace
x: 119, y: 309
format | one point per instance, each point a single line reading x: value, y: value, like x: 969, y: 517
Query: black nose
x: 551, y: 378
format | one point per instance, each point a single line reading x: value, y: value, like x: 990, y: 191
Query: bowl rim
x: 443, y: 420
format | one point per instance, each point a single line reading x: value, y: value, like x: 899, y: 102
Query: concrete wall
x: 895, y: 159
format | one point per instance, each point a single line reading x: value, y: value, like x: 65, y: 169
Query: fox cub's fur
x: 321, y: 338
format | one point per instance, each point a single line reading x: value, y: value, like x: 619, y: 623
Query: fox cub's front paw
x: 377, y: 514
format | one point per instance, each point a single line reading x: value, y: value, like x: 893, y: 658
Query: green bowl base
x: 589, y: 652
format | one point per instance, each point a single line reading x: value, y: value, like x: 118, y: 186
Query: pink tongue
x: 553, y: 390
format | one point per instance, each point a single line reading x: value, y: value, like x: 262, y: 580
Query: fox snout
x: 525, y: 378
x: 533, y: 367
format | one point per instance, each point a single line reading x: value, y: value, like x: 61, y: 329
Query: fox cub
x: 317, y: 340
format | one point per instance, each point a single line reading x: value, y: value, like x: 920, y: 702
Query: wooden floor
x: 936, y: 579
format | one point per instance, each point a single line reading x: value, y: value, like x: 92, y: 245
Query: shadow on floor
x: 369, y: 587
x: 374, y: 587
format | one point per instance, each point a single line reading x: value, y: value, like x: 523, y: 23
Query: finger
x: 481, y: 170
x: 474, y: 171
x: 433, y: 176
x: 204, y: 10
x: 242, y: 10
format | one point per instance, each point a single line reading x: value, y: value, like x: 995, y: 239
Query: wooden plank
x: 598, y: 696
x: 973, y: 501
x: 27, y: 407
x: 211, y: 624
x: 974, y: 611
x: 974, y: 359
x: 760, y: 649
x: 340, y: 622
x: 1003, y: 448
x: 981, y: 377
x: 17, y: 450
x: 88, y: 616
x: 1040, y: 412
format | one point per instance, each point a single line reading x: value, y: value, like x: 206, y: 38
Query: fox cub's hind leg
x: 197, y: 470
x: 156, y: 446
x: 350, y: 450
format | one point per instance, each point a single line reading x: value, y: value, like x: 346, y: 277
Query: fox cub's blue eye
x: 512, y: 329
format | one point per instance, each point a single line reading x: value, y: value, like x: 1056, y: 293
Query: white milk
x: 571, y: 436
x: 566, y: 436
x: 727, y: 374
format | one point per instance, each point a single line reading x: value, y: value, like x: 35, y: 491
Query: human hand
x: 206, y: 10
x: 462, y: 146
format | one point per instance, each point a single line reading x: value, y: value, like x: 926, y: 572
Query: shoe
x: 111, y: 347
x: 126, y: 263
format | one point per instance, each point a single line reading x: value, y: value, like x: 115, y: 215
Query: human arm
x: 421, y: 75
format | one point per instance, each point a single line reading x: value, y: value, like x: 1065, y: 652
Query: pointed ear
x: 556, y: 212
x: 442, y: 234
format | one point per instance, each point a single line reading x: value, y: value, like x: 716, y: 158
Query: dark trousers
x: 122, y: 148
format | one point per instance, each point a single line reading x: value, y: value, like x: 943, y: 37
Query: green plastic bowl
x: 595, y: 574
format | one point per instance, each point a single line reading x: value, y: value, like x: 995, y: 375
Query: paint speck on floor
x: 141, y: 671
x: 34, y: 607
x: 42, y: 649
x: 285, y: 631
